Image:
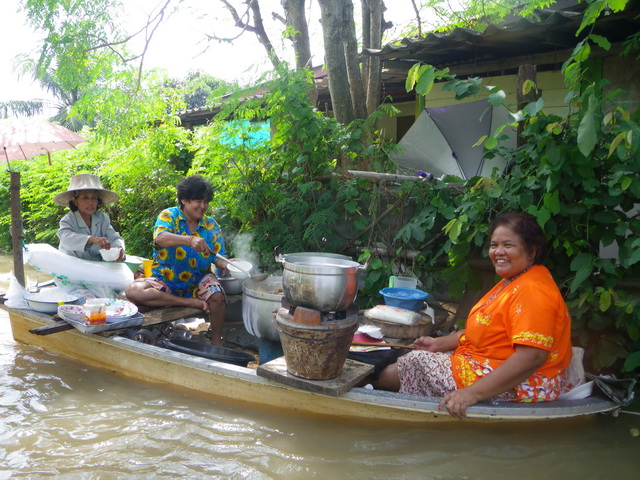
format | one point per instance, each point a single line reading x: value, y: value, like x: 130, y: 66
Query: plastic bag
x: 15, y: 295
x: 70, y: 269
x: 398, y: 315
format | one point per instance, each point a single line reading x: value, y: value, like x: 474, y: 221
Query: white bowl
x: 110, y: 255
x: 47, y: 302
x: 236, y: 272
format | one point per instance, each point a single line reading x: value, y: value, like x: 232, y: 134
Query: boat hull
x: 242, y: 385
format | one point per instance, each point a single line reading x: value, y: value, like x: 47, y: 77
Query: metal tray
x: 133, y: 321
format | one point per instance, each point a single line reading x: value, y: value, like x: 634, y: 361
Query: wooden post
x: 16, y: 228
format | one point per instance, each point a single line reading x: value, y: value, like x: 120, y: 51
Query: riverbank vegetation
x: 578, y: 174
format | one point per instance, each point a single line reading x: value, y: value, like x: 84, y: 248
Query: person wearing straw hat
x: 85, y: 230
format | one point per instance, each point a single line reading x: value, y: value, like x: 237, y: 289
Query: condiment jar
x: 95, y: 311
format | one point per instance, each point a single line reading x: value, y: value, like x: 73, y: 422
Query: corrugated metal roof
x: 554, y: 31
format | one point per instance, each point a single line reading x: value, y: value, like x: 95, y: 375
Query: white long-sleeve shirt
x: 74, y: 235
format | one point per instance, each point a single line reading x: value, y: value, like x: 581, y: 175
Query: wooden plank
x: 154, y: 316
x: 168, y: 314
x: 59, y: 326
x: 352, y: 373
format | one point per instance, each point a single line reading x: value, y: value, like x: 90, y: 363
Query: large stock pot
x: 325, y: 282
x: 260, y: 300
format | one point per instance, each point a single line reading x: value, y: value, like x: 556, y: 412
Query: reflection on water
x: 64, y: 419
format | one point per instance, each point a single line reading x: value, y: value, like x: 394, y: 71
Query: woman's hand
x: 122, y: 255
x: 223, y: 265
x: 458, y: 401
x: 102, y: 242
x: 199, y: 244
x: 515, y: 370
x: 439, y: 344
x: 428, y: 344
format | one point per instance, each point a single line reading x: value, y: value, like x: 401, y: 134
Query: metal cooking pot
x: 260, y: 300
x: 321, y: 282
x: 231, y: 285
x: 295, y: 256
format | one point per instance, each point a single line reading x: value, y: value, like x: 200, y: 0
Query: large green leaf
x: 426, y: 76
x: 582, y: 265
x: 587, y: 136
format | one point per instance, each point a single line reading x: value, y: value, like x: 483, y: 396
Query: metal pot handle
x: 365, y: 266
x: 278, y: 258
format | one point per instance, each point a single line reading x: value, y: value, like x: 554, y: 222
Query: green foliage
x: 198, y: 88
x: 283, y: 192
x: 478, y: 14
x: 580, y: 176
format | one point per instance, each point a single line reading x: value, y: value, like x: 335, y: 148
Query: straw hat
x: 85, y: 181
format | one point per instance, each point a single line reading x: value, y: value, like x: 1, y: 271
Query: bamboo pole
x: 389, y: 177
x: 457, y: 187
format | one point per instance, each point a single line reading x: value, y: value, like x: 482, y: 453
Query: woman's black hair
x: 72, y: 206
x: 194, y: 187
x: 526, y: 227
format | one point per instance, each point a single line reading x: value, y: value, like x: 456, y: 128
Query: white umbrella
x: 442, y: 140
x: 21, y: 139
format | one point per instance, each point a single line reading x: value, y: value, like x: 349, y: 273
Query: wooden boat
x: 228, y: 382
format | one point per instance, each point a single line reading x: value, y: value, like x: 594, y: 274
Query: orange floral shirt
x: 529, y: 311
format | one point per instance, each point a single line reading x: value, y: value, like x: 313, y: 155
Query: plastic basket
x: 407, y: 298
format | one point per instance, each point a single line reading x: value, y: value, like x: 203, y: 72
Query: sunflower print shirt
x: 182, y: 268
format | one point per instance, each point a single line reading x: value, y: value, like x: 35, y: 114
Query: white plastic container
x: 404, y: 282
x: 110, y: 255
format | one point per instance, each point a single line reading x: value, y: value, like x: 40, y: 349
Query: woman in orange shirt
x: 516, y: 344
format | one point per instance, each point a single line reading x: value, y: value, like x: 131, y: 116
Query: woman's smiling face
x: 194, y: 210
x: 508, y: 253
x: 87, y: 202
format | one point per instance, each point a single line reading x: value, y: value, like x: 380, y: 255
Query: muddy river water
x: 61, y: 418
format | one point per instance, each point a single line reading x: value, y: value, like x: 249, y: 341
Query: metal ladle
x: 256, y: 278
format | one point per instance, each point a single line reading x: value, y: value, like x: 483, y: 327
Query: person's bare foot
x: 198, y: 303
x: 207, y: 337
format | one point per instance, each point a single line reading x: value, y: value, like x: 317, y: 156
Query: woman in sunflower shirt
x: 516, y: 344
x: 186, y: 245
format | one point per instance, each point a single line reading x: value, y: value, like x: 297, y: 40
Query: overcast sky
x: 177, y: 46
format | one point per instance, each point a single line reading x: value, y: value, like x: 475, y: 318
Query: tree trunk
x: 331, y: 12
x: 372, y: 38
x: 350, y: 48
x: 296, y: 19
